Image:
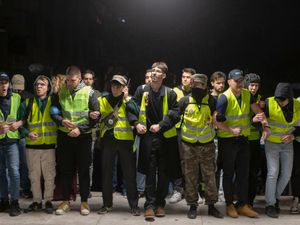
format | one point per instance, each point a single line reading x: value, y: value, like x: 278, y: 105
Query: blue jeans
x: 279, y: 156
x: 9, y: 161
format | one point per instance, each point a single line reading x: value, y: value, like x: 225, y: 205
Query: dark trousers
x: 255, y: 160
x: 157, y: 180
x: 295, y: 179
x: 111, y: 147
x: 235, y: 161
x: 74, y: 154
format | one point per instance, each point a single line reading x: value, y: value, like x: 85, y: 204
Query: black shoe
x: 277, y: 206
x: 27, y: 194
x: 213, y: 211
x: 33, y: 207
x: 49, y: 207
x: 192, y: 213
x: 4, y: 205
x: 105, y: 209
x: 14, y: 208
x: 271, y: 211
x: 141, y: 194
x: 135, y: 211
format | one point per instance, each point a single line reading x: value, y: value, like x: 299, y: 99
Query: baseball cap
x: 235, y: 74
x: 4, y: 76
x: 120, y: 79
x: 197, y: 77
x: 18, y: 82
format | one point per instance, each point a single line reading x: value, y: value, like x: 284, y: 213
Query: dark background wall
x: 127, y: 36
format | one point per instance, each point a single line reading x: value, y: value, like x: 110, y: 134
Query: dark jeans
x: 235, y: 162
x: 255, y: 160
x: 123, y: 149
x: 24, y: 178
x: 156, y: 177
x: 295, y: 179
x: 74, y: 154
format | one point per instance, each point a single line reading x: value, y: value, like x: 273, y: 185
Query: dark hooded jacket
x: 284, y: 90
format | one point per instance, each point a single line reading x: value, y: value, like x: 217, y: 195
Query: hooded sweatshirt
x: 42, y: 105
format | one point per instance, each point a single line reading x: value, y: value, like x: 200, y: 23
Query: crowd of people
x: 191, y: 142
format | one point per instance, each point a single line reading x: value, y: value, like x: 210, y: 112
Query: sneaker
x: 176, y: 197
x: 160, y: 212
x: 15, y: 209
x: 231, y: 211
x: 27, y: 194
x: 245, y: 210
x: 84, y: 209
x: 271, y: 211
x: 33, y: 207
x: 192, y: 213
x: 135, y: 211
x: 4, y: 205
x: 213, y: 211
x: 141, y: 194
x: 49, y: 207
x: 200, y: 200
x: 295, y: 206
x: 63, y: 208
x: 105, y: 210
x: 149, y: 214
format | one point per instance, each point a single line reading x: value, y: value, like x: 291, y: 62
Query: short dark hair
x: 73, y: 71
x: 189, y: 70
x: 216, y: 75
x: 148, y: 71
x: 161, y: 65
x: 90, y: 72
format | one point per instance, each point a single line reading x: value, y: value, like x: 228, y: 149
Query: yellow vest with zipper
x: 237, y: 116
x: 278, y: 125
x: 42, y: 124
x: 15, y: 101
x: 197, y: 122
x: 77, y: 109
x: 142, y: 116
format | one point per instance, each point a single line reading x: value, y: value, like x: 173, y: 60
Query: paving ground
x: 176, y: 214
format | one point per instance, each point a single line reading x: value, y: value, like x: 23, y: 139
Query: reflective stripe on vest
x: 143, y: 117
x: 197, y: 124
x: 122, y: 129
x: 254, y: 131
x: 237, y: 116
x: 42, y: 124
x: 15, y: 101
x: 278, y: 125
x: 75, y: 109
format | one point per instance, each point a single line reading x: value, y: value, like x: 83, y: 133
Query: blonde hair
x: 58, y: 81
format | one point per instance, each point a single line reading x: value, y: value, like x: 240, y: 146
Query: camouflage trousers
x: 199, y: 158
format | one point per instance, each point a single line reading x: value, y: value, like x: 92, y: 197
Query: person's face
x: 253, y: 88
x: 88, y: 79
x: 73, y: 81
x: 157, y: 75
x: 186, y: 79
x: 116, y: 89
x: 41, y: 88
x: 148, y: 78
x: 236, y: 85
x: 4, y: 84
x: 282, y: 102
x: 219, y: 84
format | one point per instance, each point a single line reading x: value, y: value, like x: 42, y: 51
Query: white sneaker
x: 200, y: 200
x: 295, y: 206
x: 176, y: 197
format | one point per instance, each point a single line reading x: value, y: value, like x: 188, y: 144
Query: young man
x: 217, y: 81
x: 9, y: 152
x: 282, y: 111
x: 198, y: 149
x: 89, y: 80
x: 252, y: 83
x: 184, y: 88
x: 159, y: 156
x: 117, y: 139
x: 40, y: 131
x: 74, y: 140
x: 233, y: 120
